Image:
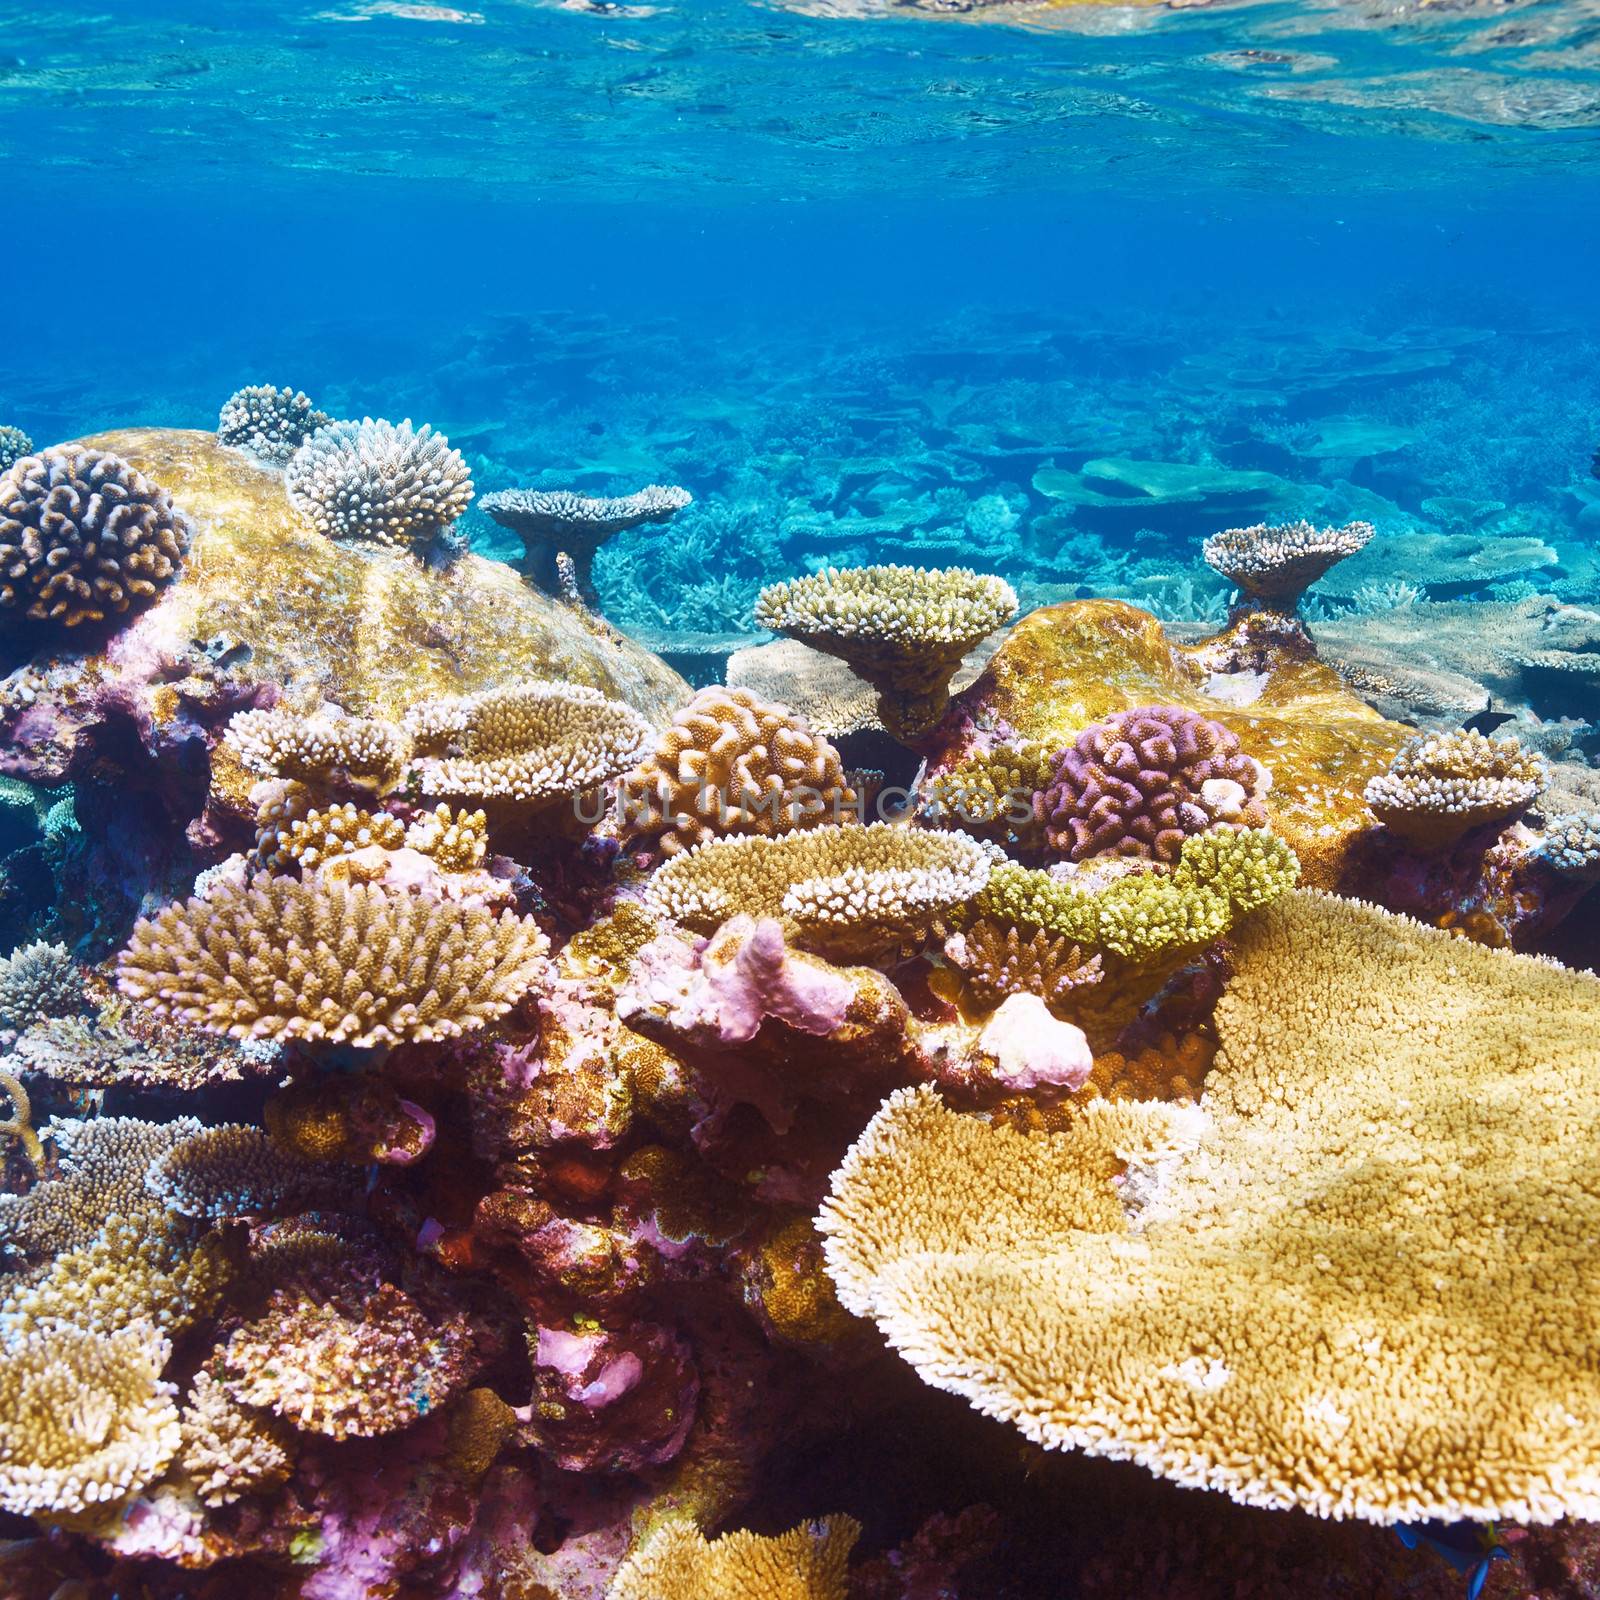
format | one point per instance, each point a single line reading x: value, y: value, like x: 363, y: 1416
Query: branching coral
x: 321, y: 747
x: 234, y: 1170
x: 903, y: 629
x: 1278, y: 564
x: 14, y: 445
x: 292, y: 959
x: 457, y: 841
x: 379, y: 482
x: 533, y: 743
x: 1571, y: 843
x: 991, y: 794
x: 677, y: 1563
x: 1142, y: 781
x: 1358, y: 1281
x: 847, y: 892
x: 38, y: 981
x: 85, y: 1419
x: 230, y: 1452
x: 84, y: 537
x: 322, y: 835
x: 729, y: 764
x: 18, y: 1124
x: 1441, y: 786
x: 270, y: 423
x: 996, y: 961
x: 357, y: 1362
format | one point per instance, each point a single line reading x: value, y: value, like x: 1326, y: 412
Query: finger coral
x: 1142, y: 781
x: 676, y: 1562
x: 326, y: 745
x: 85, y: 1419
x: 534, y: 743
x: 228, y: 1451
x: 1361, y: 1275
x: 270, y: 423
x: 1277, y: 564
x: 289, y: 959
x: 456, y: 841
x: 38, y: 981
x: 322, y: 835
x: 379, y: 482
x: 14, y: 445
x: 85, y: 537
x: 903, y: 629
x: 846, y: 892
x: 731, y: 763
x: 1571, y: 843
x: 1442, y: 785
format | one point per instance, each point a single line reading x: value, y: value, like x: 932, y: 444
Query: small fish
x: 1469, y: 1547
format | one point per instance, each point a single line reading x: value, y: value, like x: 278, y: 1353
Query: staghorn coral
x: 379, y: 482
x: 903, y: 629
x: 731, y: 763
x: 38, y: 981
x: 996, y: 961
x: 319, y: 748
x: 677, y: 1563
x: 84, y: 537
x: 1142, y: 781
x: 1384, y: 1215
x: 846, y: 892
x: 234, y: 1170
x: 1278, y: 564
x: 556, y: 521
x: 227, y: 1451
x: 18, y: 1124
x: 292, y: 959
x: 1441, y: 786
x: 322, y: 835
x: 533, y: 743
x: 357, y: 1362
x: 457, y: 841
x: 85, y: 1419
x: 14, y: 445
x: 270, y: 423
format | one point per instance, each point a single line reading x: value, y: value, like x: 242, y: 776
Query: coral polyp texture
x: 37, y: 982
x: 14, y: 445
x: 1142, y: 781
x: 268, y: 422
x: 732, y: 763
x: 1244, y: 1335
x: 85, y: 537
x: 1277, y: 564
x: 379, y: 482
x: 903, y: 629
x: 1442, y: 785
x: 85, y: 1419
x: 1571, y: 843
x: 320, y: 746
x: 999, y: 961
x: 531, y: 743
x: 846, y: 892
x: 676, y: 1562
x: 229, y: 1450
x: 363, y: 965
x: 321, y: 836
x: 456, y: 840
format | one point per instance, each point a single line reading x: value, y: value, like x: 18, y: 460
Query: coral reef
x: 1276, y: 565
x: 1441, y: 786
x: 379, y: 483
x: 322, y: 747
x: 996, y: 961
x: 37, y: 982
x: 270, y: 423
x: 84, y: 537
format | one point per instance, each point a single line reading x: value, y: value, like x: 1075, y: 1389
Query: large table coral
x: 1359, y: 1281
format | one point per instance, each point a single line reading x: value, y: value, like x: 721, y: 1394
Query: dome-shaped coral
x: 903, y: 629
x: 1571, y: 843
x: 1442, y: 785
x: 378, y: 481
x: 1142, y: 781
x: 14, y: 445
x: 732, y: 763
x: 1277, y: 564
x: 84, y: 537
x: 270, y: 423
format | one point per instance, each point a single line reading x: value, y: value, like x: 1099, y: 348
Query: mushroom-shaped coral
x: 39, y: 981
x: 556, y: 521
x: 732, y: 763
x: 534, y: 744
x: 85, y: 1419
x: 903, y: 629
x: 846, y: 892
x: 228, y: 1451
x: 14, y: 445
x: 270, y: 423
x: 1142, y: 781
x: 380, y: 482
x: 1277, y: 564
x: 1442, y: 785
x: 355, y: 1361
x: 84, y: 537
x: 320, y: 747
x: 287, y: 958
x: 1384, y: 1215
x: 810, y: 1562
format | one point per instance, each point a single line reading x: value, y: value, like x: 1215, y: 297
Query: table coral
x: 1374, y: 1222
x: 235, y: 1170
x: 291, y: 959
x: 321, y: 747
x: 1278, y: 564
x: 270, y: 423
x: 903, y: 629
x: 810, y: 1562
x: 1441, y: 786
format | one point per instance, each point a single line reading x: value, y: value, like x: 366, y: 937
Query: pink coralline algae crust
x: 1142, y: 781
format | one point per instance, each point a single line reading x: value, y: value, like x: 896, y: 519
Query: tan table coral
x: 1359, y: 1280
x: 1441, y: 786
x: 1066, y: 666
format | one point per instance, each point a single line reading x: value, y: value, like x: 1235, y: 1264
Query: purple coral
x: 1142, y: 781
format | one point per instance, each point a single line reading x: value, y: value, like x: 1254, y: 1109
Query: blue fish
x: 1469, y: 1547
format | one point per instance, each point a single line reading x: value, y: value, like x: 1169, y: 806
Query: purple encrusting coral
x: 1143, y: 781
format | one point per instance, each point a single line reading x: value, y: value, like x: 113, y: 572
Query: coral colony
x: 482, y: 1114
